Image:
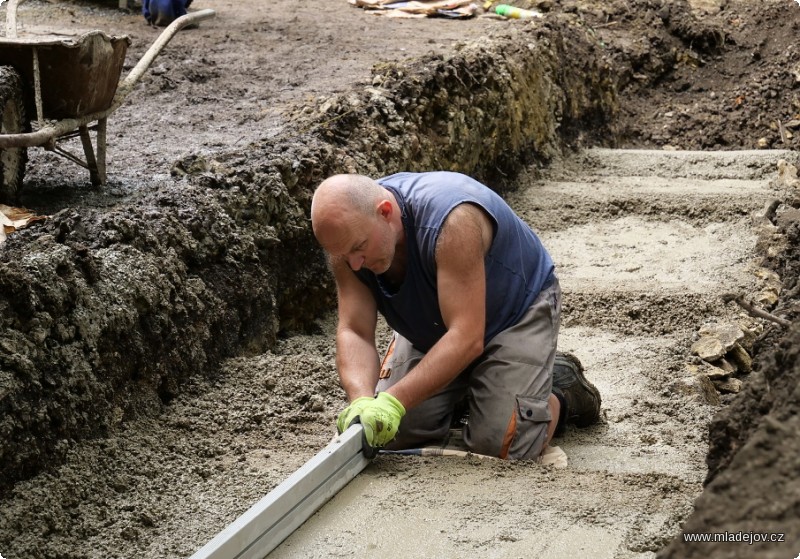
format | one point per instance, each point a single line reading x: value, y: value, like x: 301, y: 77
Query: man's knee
x: 521, y: 437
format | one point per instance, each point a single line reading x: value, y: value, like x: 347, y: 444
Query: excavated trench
x: 128, y: 328
x: 108, y: 312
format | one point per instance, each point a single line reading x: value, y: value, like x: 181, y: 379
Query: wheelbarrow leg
x: 101, y: 150
x: 95, y: 175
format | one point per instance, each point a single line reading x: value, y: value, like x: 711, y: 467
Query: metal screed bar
x: 271, y: 520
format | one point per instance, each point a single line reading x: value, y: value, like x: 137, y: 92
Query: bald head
x: 342, y: 201
x: 359, y: 222
x: 356, y: 192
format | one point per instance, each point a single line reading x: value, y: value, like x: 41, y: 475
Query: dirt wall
x: 106, y: 313
x: 754, y: 448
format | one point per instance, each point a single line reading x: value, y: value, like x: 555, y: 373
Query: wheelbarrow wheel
x: 14, y: 121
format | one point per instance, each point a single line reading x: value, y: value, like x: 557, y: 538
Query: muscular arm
x: 356, y: 355
x: 461, y: 282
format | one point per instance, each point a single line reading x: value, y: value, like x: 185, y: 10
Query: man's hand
x: 352, y: 411
x: 380, y: 418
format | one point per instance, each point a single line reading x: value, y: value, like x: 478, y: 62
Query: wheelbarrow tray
x: 79, y: 75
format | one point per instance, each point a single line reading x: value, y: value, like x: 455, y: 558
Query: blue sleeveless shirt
x: 517, y: 265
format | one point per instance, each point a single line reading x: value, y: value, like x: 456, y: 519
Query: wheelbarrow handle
x: 49, y: 133
x: 126, y: 84
x: 11, y: 18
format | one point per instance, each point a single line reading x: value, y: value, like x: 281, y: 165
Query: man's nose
x: 355, y: 262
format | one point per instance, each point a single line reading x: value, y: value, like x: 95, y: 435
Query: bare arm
x: 461, y: 282
x: 356, y: 355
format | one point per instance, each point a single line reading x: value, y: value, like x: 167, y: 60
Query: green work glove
x: 352, y: 411
x: 381, y: 418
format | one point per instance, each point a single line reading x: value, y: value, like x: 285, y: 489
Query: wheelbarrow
x: 72, y: 85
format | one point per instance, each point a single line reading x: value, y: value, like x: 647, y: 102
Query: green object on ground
x: 514, y: 12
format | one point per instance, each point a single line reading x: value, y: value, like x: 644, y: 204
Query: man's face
x: 368, y: 243
x: 361, y: 240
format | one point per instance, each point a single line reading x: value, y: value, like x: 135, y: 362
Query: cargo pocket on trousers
x: 533, y: 409
x: 527, y: 430
x: 531, y: 429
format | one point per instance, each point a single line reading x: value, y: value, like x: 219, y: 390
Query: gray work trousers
x: 507, y: 387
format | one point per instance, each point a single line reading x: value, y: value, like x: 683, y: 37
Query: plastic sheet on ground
x: 419, y: 8
x: 14, y: 219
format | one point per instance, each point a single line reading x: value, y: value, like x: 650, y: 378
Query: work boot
x: 581, y: 397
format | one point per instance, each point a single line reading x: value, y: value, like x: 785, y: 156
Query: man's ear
x: 385, y: 209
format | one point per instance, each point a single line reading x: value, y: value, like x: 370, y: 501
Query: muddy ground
x: 120, y: 312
